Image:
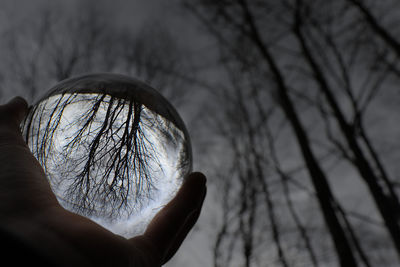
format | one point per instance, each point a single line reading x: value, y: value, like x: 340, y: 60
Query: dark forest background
x: 292, y: 106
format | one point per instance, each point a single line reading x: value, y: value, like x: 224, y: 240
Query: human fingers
x: 14, y: 111
x: 11, y: 115
x: 184, y: 231
x: 176, y: 217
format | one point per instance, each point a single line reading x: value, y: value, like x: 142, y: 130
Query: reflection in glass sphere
x: 114, y: 150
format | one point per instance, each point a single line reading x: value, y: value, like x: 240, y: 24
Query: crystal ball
x: 113, y: 149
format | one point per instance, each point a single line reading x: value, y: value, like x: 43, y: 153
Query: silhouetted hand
x: 29, y: 211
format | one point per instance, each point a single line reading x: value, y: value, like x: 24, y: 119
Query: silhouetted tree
x: 57, y: 44
x: 379, y: 183
x: 306, y: 53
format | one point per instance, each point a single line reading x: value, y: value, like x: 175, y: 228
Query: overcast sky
x: 196, y: 250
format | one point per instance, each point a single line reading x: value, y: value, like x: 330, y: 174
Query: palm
x: 30, y: 210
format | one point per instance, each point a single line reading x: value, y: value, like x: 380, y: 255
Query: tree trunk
x: 388, y: 205
x: 319, y: 180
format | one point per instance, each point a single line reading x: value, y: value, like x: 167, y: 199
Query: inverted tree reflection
x: 105, y: 156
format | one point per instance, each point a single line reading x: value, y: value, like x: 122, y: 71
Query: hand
x: 29, y: 211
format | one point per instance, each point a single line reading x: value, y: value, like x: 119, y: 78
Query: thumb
x: 11, y: 116
x: 14, y: 111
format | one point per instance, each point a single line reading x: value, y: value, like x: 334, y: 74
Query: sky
x: 195, y: 251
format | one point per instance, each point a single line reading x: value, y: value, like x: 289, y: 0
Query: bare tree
x: 307, y: 53
x: 57, y: 44
x: 387, y: 203
x: 23, y: 54
x: 376, y: 26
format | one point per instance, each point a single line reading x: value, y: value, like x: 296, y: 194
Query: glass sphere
x: 113, y: 149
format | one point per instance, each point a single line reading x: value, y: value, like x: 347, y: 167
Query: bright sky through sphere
x: 64, y: 132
